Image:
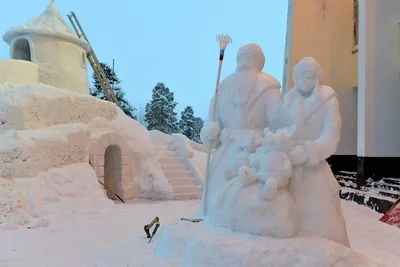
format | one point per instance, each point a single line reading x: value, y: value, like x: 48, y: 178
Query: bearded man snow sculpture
x: 314, y: 108
x: 249, y: 100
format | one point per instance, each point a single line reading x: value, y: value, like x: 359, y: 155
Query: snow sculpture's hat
x: 308, y: 64
x: 252, y: 51
x: 50, y: 24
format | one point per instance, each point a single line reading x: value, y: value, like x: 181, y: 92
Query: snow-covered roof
x: 50, y: 23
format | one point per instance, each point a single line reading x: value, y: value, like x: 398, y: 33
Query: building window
x: 83, y: 60
x: 355, y: 25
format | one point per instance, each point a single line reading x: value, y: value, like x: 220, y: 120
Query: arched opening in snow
x: 113, y: 171
x: 22, y: 50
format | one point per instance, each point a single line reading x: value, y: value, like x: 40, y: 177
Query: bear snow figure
x: 272, y: 162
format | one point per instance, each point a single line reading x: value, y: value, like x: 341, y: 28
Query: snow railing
x: 200, y: 147
x: 185, y: 147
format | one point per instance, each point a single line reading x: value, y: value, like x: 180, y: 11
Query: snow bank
x: 51, y: 196
x: 195, y: 244
x: 11, y: 69
x: 157, y: 135
x: 28, y: 153
x: 25, y: 107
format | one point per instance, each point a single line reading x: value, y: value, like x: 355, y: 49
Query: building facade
x: 357, y: 44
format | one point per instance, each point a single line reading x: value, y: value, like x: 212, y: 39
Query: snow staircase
x: 184, y: 185
x: 377, y: 195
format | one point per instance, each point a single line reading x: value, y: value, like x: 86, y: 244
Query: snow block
x: 197, y: 244
x: 28, y: 153
x: 31, y: 107
x: 11, y: 69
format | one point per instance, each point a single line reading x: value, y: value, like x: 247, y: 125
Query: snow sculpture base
x: 198, y: 244
x: 243, y: 210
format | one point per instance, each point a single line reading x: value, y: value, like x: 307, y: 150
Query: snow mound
x: 28, y: 153
x: 51, y: 196
x: 195, y: 244
x: 26, y: 107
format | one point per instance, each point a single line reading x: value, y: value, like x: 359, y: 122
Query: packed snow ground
x: 116, y: 238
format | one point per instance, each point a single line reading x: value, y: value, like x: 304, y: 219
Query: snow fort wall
x: 26, y: 154
x: 30, y: 107
x: 14, y: 71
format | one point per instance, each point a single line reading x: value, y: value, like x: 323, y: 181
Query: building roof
x: 49, y: 23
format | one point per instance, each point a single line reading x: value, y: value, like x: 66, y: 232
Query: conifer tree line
x: 159, y: 114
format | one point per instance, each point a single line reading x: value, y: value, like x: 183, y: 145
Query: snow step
x: 170, y: 160
x: 178, y: 174
x: 162, y: 150
x: 186, y: 189
x: 182, y: 182
x: 378, y: 203
x: 187, y: 196
x: 173, y: 167
x: 167, y: 153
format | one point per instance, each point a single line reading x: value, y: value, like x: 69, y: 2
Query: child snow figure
x: 257, y: 201
x: 248, y: 142
x: 273, y: 160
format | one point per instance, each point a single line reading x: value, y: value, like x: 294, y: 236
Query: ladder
x: 94, y: 62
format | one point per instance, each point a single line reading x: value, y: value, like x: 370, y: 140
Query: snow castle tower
x: 49, y: 43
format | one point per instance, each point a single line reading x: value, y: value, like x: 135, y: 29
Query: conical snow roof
x: 50, y: 23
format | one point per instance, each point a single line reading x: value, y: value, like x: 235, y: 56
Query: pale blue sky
x: 168, y: 41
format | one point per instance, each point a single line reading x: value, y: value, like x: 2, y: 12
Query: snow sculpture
x: 247, y: 144
x: 256, y: 200
x: 314, y: 108
x: 48, y: 42
x: 248, y: 100
x: 272, y: 161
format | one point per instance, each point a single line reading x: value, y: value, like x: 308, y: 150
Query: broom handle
x: 214, y: 111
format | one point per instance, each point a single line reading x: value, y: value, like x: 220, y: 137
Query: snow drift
x: 28, y: 153
x: 51, y: 196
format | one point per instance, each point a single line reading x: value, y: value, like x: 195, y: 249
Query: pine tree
x: 198, y: 124
x: 160, y: 111
x: 140, y: 114
x: 98, y: 92
x: 187, y: 123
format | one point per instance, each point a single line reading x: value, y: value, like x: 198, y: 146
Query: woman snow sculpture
x: 314, y: 108
x: 249, y: 100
